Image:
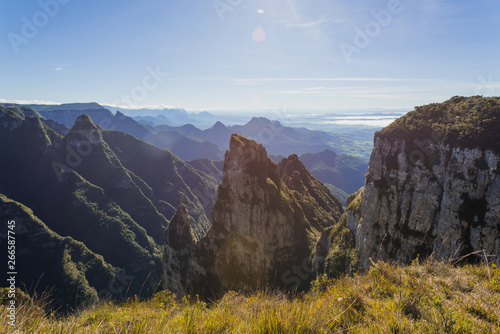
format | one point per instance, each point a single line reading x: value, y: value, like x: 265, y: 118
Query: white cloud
x: 305, y: 24
x: 57, y: 67
x: 28, y: 101
x: 132, y: 107
x: 255, y: 81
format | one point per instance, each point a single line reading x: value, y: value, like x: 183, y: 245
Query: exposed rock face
x: 179, y: 241
x: 267, y: 219
x: 423, y: 197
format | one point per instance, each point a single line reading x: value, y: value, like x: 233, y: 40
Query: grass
x: 428, y: 297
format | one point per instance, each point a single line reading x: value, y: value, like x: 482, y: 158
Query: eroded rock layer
x: 428, y: 189
x: 266, y: 222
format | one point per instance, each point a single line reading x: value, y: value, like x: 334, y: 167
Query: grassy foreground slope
x: 431, y: 297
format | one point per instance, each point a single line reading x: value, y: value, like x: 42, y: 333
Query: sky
x: 249, y: 54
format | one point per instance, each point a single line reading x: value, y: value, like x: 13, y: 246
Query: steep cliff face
x: 439, y: 194
x: 266, y: 221
x: 179, y: 242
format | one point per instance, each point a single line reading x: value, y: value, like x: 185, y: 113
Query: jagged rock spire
x: 261, y: 228
x: 180, y: 200
x: 179, y: 242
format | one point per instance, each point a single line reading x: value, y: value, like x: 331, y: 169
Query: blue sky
x: 249, y: 54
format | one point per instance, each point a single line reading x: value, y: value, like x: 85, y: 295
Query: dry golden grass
x: 432, y: 297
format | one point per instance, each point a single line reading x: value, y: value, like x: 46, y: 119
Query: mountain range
x: 99, y: 213
x: 103, y: 188
x: 172, y: 116
x: 342, y: 173
x: 279, y: 139
x: 101, y: 199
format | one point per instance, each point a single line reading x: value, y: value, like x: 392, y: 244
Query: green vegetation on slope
x: 432, y: 297
x: 103, y: 168
x: 354, y: 202
x: 167, y: 175
x: 76, y: 208
x: 342, y: 256
x: 469, y: 122
x: 21, y: 111
x: 48, y: 261
x: 319, y: 205
x: 337, y: 192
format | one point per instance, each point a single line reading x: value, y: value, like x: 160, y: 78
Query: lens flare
x: 259, y: 35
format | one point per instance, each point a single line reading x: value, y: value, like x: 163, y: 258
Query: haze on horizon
x: 251, y: 55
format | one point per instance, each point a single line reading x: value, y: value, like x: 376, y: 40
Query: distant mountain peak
x: 327, y: 155
x: 34, y: 129
x: 263, y: 121
x: 84, y: 122
x: 175, y: 111
x: 256, y: 124
x: 84, y: 105
x: 328, y: 152
x: 218, y: 125
x: 259, y: 120
x: 84, y: 129
x: 32, y: 122
x: 119, y: 114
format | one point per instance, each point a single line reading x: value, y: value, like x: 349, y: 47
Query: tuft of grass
x: 424, y: 297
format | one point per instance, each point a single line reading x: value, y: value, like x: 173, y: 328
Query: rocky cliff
x: 266, y: 224
x: 433, y: 185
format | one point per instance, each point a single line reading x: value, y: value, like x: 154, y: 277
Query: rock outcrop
x: 179, y: 242
x: 431, y: 195
x: 266, y: 223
